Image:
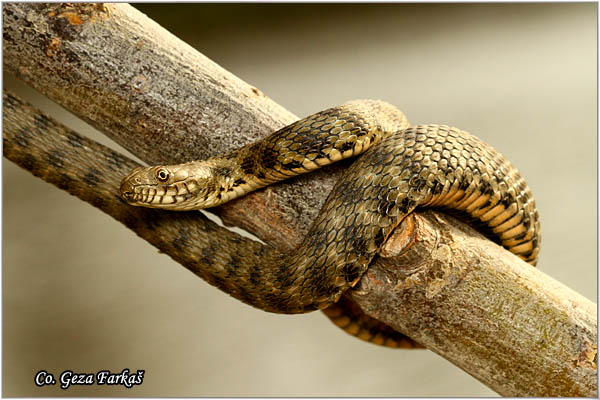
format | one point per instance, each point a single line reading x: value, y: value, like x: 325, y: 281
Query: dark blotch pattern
x: 74, y: 140
x: 92, y: 178
x: 115, y: 161
x: 223, y: 171
x: 401, y: 168
x: 208, y: 254
x: 406, y: 168
x: 182, y: 241
x: 22, y: 137
x: 30, y: 163
x: 247, y: 158
x: 54, y: 158
x: 64, y: 181
x: 43, y: 122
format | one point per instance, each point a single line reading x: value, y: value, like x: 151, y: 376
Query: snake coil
x: 401, y: 167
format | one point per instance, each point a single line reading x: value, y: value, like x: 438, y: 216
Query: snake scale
x: 401, y: 167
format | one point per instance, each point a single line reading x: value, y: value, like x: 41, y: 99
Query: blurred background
x: 81, y: 292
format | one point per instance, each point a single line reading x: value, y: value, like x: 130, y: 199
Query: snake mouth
x: 156, y: 195
x: 155, y: 200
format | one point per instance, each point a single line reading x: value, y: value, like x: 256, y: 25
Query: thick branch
x: 509, y: 325
x: 158, y: 98
x: 163, y: 101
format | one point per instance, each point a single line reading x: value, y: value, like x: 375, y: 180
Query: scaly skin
x: 402, y: 168
x: 92, y: 172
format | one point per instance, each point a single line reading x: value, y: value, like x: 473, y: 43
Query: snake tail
x: 348, y: 316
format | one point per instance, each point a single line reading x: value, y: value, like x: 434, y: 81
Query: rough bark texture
x: 157, y: 97
x: 507, y: 324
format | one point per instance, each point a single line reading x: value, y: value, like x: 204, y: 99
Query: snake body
x: 402, y: 167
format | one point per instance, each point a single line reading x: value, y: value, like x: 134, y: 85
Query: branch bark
x: 438, y: 281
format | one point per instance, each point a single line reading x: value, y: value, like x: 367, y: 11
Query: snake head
x: 176, y: 187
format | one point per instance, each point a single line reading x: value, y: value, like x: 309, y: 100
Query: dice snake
x: 399, y: 167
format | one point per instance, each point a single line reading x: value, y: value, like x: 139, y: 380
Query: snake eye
x: 162, y: 175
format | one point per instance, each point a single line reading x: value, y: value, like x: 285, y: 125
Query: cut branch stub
x: 463, y: 297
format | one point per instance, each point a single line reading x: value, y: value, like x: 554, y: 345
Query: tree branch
x: 507, y: 324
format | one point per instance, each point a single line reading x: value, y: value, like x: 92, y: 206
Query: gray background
x: 81, y: 292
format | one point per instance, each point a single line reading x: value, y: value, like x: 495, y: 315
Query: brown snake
x: 403, y: 167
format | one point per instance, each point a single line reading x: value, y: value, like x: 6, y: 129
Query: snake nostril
x: 126, y: 189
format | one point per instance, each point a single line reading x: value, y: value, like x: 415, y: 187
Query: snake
x: 399, y: 168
